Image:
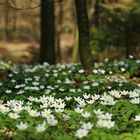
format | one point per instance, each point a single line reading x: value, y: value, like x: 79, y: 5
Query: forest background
x: 114, y: 30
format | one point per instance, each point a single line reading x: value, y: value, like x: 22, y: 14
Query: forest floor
x: 17, y: 52
x: 59, y: 102
x: 27, y: 52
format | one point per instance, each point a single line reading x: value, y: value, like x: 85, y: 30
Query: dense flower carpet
x: 63, y: 102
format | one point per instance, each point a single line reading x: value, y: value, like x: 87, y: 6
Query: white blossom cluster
x: 104, y: 120
x: 52, y: 111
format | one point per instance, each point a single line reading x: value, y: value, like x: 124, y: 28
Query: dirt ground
x: 28, y: 52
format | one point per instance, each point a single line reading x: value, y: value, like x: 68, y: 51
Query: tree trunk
x: 84, y: 38
x: 47, y: 50
x: 75, y: 52
x: 96, y: 14
x: 127, y: 39
x: 58, y: 46
x: 59, y: 31
x: 6, y: 22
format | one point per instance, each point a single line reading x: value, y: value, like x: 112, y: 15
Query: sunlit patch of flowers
x: 13, y: 115
x: 40, y: 127
x: 80, y: 133
x: 22, y: 126
x: 104, y: 120
x: 137, y: 117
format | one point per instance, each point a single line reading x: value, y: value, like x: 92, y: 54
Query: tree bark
x: 6, y: 22
x: 47, y: 50
x: 59, y: 31
x: 96, y: 14
x: 84, y: 37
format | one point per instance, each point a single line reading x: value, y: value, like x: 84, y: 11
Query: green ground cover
x: 43, y: 102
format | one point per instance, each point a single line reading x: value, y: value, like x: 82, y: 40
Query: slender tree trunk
x: 14, y: 25
x: 84, y: 38
x: 96, y: 14
x: 6, y: 22
x: 127, y: 47
x: 75, y: 53
x: 14, y: 21
x: 59, y: 31
x: 47, y: 50
x: 127, y: 40
x: 58, y: 46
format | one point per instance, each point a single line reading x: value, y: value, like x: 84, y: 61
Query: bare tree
x: 84, y: 37
x: 47, y: 49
